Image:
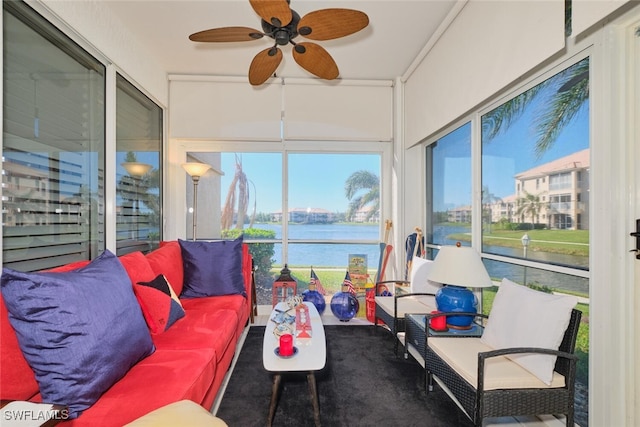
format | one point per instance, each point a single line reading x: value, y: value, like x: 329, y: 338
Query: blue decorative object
x: 451, y: 299
x: 315, y: 297
x: 344, y: 305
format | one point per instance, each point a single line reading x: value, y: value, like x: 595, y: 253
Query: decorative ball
x: 316, y: 298
x: 450, y: 299
x: 344, y: 306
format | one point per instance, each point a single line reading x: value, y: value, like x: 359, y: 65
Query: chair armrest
x: 384, y: 282
x: 572, y: 358
x: 397, y: 297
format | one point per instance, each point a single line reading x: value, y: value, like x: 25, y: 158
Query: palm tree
x: 488, y: 199
x: 358, y: 181
x: 238, y: 190
x: 569, y: 91
x: 529, y: 205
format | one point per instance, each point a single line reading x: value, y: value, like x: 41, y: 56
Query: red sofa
x: 190, y: 359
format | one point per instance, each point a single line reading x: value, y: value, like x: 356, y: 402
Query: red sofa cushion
x: 201, y: 329
x: 167, y: 260
x: 68, y: 267
x: 16, y: 376
x: 162, y: 378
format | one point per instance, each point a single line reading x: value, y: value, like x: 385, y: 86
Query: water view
x: 335, y: 255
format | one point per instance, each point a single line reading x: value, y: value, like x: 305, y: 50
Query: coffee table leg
x: 275, y: 389
x: 311, y: 380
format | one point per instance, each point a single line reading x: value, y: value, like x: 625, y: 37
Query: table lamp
x: 458, y: 268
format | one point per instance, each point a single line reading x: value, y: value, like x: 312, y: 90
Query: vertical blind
x: 53, y: 139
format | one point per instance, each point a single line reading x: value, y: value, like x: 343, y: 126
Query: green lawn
x: 570, y: 242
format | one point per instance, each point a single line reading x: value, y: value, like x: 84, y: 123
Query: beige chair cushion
x: 182, y: 413
x: 418, y: 282
x: 524, y: 317
x: 407, y: 305
x: 500, y: 372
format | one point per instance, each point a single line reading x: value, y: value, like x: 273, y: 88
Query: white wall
x: 489, y: 45
x: 97, y: 29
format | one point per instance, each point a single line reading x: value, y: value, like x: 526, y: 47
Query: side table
x: 415, y: 335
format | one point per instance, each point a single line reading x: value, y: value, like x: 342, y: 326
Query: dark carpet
x: 363, y: 384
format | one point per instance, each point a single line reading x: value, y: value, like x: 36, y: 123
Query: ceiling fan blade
x: 275, y: 12
x: 327, y: 24
x: 316, y: 60
x: 226, y: 34
x: 264, y: 64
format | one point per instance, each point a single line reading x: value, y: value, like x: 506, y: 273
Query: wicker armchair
x: 393, y: 315
x: 479, y: 403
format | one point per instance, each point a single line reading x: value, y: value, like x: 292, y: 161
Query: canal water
x: 336, y: 255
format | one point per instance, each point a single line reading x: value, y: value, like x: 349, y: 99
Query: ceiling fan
x: 283, y: 24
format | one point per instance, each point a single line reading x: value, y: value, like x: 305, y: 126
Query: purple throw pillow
x: 80, y: 331
x: 212, y: 268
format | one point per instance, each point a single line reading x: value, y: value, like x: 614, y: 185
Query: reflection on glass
x: 449, y: 188
x: 138, y: 173
x: 53, y: 145
x: 535, y: 172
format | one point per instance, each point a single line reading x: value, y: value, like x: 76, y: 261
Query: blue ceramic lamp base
x: 451, y: 299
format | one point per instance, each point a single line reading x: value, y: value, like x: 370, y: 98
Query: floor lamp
x: 136, y: 171
x: 195, y: 171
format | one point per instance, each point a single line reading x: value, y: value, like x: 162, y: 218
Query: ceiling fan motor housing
x: 282, y: 35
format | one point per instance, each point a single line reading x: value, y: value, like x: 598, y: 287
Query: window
x: 524, y: 142
x: 448, y: 163
x: 139, y: 176
x: 53, y: 145
x: 331, y: 210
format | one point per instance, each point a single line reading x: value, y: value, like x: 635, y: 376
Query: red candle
x: 286, y: 345
x: 438, y: 323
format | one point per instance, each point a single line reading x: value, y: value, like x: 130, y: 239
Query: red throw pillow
x: 167, y: 260
x: 160, y: 305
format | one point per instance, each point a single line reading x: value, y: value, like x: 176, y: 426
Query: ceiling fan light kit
x: 282, y: 24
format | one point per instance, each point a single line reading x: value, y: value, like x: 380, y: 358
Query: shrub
x: 262, y: 253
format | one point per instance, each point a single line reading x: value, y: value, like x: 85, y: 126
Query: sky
x: 315, y: 180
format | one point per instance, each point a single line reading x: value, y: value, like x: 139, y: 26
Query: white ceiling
x: 397, y: 32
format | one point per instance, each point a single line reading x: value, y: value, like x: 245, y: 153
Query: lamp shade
x: 196, y: 169
x: 459, y: 266
x: 136, y: 169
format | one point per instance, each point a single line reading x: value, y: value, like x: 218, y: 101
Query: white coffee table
x: 311, y: 357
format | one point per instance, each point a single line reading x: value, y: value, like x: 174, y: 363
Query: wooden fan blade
x: 316, y: 60
x: 275, y: 12
x: 264, y: 64
x: 226, y: 34
x: 327, y: 24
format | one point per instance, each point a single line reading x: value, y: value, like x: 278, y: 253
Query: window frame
x: 178, y: 150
